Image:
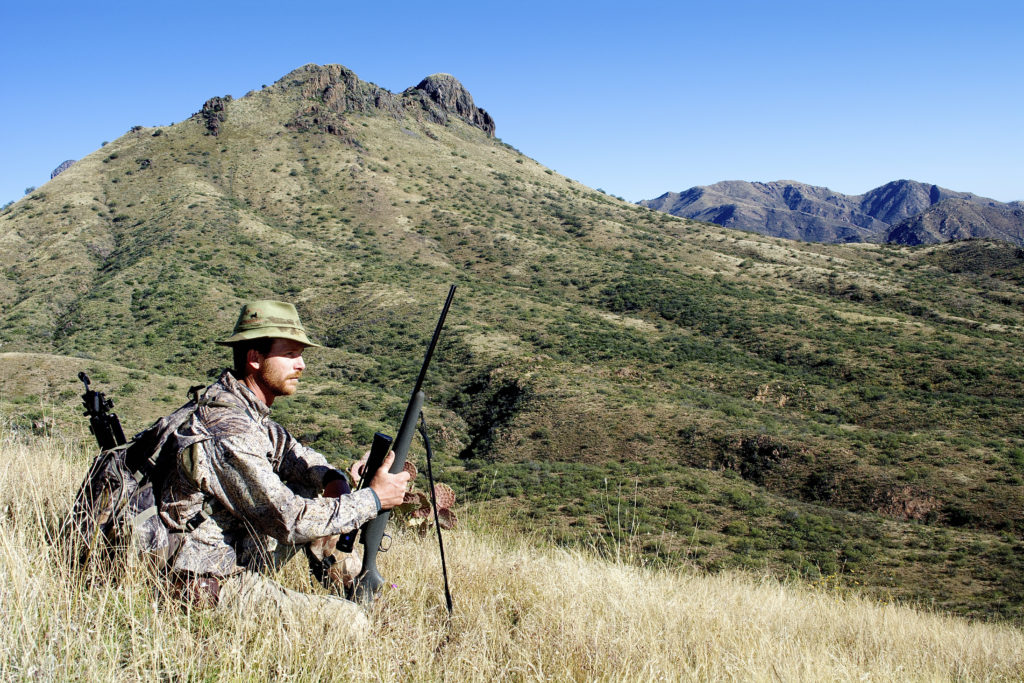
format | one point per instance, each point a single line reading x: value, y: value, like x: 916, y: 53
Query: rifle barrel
x: 433, y: 343
x: 369, y: 579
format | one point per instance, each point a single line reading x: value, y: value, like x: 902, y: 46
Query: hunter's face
x: 280, y: 369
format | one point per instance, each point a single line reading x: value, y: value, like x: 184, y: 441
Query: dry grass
x: 522, y: 612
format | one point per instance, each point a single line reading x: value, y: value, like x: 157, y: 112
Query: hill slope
x: 608, y: 370
x: 892, y: 213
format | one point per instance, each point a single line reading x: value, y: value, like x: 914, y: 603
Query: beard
x: 279, y: 381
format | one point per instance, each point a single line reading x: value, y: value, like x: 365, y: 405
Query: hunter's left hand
x: 357, y: 468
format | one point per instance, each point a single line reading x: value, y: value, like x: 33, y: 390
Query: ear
x: 253, y: 360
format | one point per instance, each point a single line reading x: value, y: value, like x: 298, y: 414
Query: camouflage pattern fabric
x: 250, y: 595
x: 258, y: 487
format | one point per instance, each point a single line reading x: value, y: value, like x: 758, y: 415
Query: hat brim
x: 293, y: 333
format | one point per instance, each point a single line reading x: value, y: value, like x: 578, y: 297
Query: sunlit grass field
x: 524, y: 610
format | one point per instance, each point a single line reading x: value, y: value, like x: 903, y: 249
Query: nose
x: 300, y: 364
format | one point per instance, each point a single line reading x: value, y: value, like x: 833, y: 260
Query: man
x: 245, y: 495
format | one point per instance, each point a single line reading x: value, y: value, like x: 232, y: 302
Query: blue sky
x: 635, y: 98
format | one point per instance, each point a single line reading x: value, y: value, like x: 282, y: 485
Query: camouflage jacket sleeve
x: 300, y: 464
x: 237, y: 473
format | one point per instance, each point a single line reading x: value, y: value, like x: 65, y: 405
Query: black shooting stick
x: 369, y: 580
x: 433, y: 502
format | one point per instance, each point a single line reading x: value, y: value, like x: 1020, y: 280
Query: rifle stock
x: 369, y: 580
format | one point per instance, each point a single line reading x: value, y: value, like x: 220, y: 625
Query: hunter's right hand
x: 390, y: 488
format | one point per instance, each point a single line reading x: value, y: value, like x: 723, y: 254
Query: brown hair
x: 240, y: 353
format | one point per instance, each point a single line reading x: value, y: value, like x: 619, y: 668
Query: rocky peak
x: 445, y: 95
x: 340, y: 89
x: 333, y: 90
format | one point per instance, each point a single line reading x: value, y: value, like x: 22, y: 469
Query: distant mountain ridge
x: 903, y: 212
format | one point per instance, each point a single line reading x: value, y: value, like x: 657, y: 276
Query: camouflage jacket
x: 250, y: 487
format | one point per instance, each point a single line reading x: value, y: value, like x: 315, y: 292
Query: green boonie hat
x: 265, y: 318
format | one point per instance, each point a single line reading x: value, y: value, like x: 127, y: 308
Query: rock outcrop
x: 442, y: 95
x: 60, y: 169
x: 340, y: 90
x: 332, y: 91
x: 214, y: 113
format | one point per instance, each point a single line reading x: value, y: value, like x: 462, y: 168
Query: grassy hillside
x: 523, y: 611
x: 847, y: 414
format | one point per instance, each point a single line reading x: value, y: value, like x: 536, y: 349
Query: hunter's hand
x: 357, y: 468
x: 390, y: 488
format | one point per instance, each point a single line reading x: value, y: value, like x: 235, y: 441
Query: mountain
x: 816, y: 214
x: 781, y: 209
x: 608, y: 375
x: 958, y: 219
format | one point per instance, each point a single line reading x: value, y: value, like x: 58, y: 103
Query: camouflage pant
x: 250, y: 593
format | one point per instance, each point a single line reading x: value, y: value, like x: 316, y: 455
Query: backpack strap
x: 187, y: 454
x: 144, y: 516
x: 217, y: 404
x: 193, y: 393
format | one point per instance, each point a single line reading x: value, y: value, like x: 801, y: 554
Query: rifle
x: 369, y: 580
x: 103, y: 424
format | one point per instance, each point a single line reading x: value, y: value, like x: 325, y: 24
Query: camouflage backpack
x: 115, y: 509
